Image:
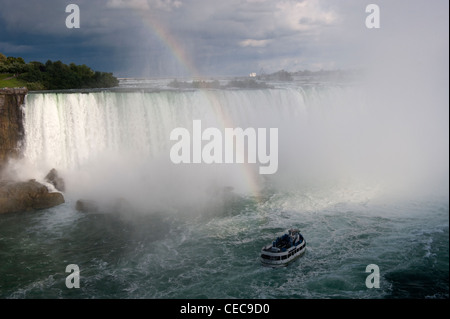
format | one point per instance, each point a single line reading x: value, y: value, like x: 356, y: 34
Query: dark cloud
x: 162, y: 37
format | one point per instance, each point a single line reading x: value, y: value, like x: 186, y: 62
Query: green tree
x: 33, y: 72
x: 56, y: 75
x: 13, y: 65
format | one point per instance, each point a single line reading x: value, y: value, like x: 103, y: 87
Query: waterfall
x: 118, y: 143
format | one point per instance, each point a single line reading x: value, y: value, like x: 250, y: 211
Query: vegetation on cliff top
x: 10, y: 81
x: 14, y: 72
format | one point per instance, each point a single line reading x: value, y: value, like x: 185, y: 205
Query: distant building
x: 252, y: 75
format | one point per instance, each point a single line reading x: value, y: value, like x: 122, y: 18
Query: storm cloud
x: 148, y: 38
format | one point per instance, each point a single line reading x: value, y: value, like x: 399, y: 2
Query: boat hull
x: 283, y: 258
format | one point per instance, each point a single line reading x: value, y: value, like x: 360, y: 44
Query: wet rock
x: 86, y: 206
x: 54, y: 179
x: 26, y: 196
x: 11, y: 124
x: 116, y: 206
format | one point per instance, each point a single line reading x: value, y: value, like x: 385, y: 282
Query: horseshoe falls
x: 362, y: 174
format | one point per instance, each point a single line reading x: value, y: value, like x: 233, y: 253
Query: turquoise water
x: 214, y: 254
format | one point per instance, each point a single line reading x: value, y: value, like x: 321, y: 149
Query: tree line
x: 56, y: 75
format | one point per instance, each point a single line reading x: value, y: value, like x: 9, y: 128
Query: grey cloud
x: 220, y: 37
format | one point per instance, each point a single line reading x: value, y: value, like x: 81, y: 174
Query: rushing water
x: 195, y: 230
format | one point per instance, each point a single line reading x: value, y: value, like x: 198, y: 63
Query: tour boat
x: 284, y: 249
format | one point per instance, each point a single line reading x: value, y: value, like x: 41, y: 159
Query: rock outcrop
x: 26, y: 196
x: 20, y: 196
x: 56, y: 180
x: 11, y: 123
x: 117, y: 206
x: 86, y: 206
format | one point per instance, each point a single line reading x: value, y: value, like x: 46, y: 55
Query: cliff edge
x: 11, y: 123
x: 18, y: 196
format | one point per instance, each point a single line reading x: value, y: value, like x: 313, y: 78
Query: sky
x: 165, y: 38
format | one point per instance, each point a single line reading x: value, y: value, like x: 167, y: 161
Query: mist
x: 408, y: 85
x: 388, y: 131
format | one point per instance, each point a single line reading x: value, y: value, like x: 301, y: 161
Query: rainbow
x: 170, y: 42
x: 182, y: 56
